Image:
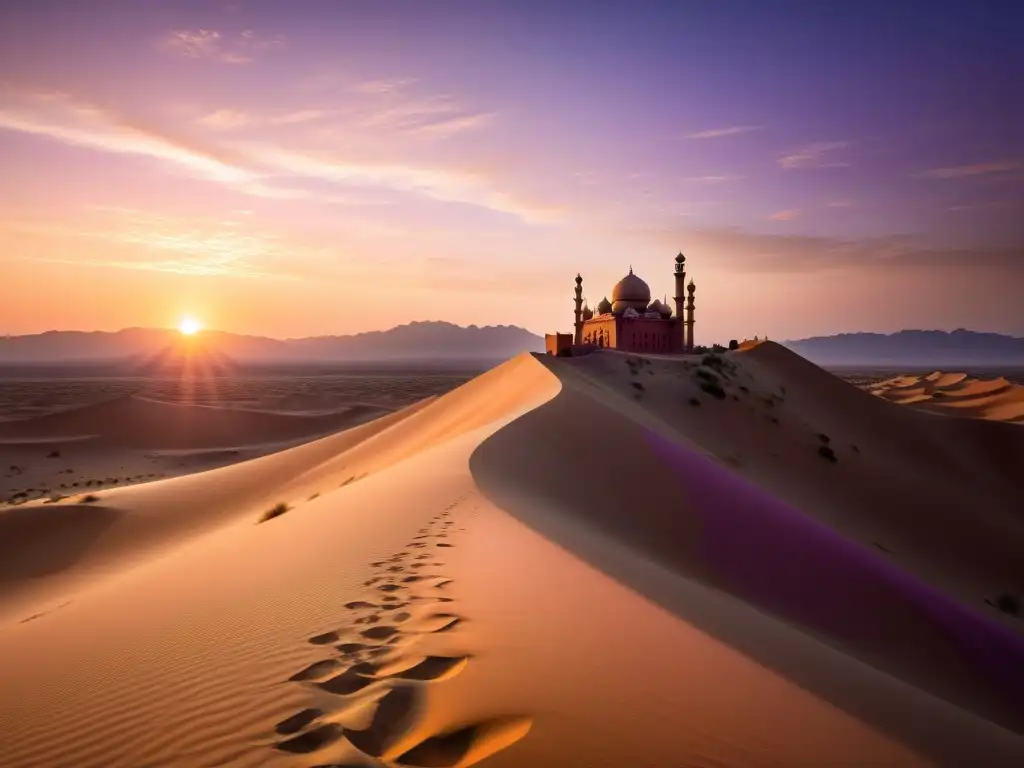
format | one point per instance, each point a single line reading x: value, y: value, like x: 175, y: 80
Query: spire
x: 631, y: 269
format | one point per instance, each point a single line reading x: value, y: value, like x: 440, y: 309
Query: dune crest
x: 956, y: 394
x: 610, y: 560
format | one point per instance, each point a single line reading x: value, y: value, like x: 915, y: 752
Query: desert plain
x: 726, y: 560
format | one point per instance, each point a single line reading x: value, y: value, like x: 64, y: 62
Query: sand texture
x: 604, y: 561
x: 956, y: 394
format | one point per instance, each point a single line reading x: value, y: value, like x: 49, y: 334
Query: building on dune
x: 631, y: 321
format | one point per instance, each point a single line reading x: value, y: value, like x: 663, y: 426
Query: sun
x: 189, y: 326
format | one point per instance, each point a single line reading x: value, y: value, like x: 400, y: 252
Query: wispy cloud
x: 785, y: 215
x: 435, y: 183
x: 817, y: 155
x: 225, y: 119
x: 383, y: 86
x: 249, y: 167
x: 233, y: 119
x: 437, y: 116
x: 713, y: 179
x: 715, y: 133
x: 242, y: 48
x: 60, y: 117
x: 977, y: 169
x: 839, y: 204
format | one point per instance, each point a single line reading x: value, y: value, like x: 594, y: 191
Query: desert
x: 732, y: 559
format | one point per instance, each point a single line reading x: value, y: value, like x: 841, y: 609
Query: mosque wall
x: 642, y: 334
x: 601, y: 330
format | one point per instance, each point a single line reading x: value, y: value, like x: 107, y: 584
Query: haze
x: 322, y: 167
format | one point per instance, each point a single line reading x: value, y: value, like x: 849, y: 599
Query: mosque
x: 631, y: 322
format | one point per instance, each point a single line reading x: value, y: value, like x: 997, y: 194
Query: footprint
x: 356, y: 605
x: 397, y: 711
x: 422, y: 557
x: 416, y: 545
x: 398, y: 618
x: 350, y: 648
x: 379, y: 633
x: 315, y: 671
x: 393, y: 606
x: 434, y: 668
x: 298, y: 721
x: 389, y: 587
x: 438, y: 622
x: 325, y: 638
x: 467, y: 745
x: 311, y: 741
x: 345, y: 684
x: 442, y: 544
x: 372, y: 581
x: 396, y: 568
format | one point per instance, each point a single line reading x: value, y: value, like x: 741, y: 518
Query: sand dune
x: 956, y: 394
x: 599, y: 561
x: 138, y: 422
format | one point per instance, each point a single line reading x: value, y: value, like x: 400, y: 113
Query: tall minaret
x: 577, y: 337
x: 679, y: 298
x: 690, y: 289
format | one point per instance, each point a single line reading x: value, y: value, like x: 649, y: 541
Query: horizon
x: 309, y: 169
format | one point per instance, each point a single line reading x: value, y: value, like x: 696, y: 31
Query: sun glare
x: 189, y: 326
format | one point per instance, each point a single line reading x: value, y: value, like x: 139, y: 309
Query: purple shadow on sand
x: 801, y: 570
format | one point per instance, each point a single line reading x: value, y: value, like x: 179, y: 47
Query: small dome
x: 691, y: 287
x: 604, y: 306
x: 630, y: 292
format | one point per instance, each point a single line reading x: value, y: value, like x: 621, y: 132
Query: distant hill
x: 912, y: 348
x: 414, y: 341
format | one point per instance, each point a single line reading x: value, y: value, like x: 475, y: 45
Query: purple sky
x: 331, y: 167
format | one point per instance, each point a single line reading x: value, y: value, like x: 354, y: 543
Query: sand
x: 956, y: 394
x: 600, y: 561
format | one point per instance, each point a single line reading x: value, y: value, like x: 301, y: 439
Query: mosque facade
x: 631, y: 321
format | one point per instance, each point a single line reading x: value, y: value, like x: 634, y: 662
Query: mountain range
x: 414, y: 341
x: 434, y: 340
x: 912, y: 349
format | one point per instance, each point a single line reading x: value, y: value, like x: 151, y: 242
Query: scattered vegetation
x: 695, y: 401
x: 718, y: 348
x: 638, y: 385
x: 744, y: 389
x: 707, y: 375
x: 314, y: 496
x: 713, y: 388
x: 854, y: 448
x: 53, y: 455
x: 275, y: 511
x: 824, y: 438
x: 89, y: 498
x: 826, y: 452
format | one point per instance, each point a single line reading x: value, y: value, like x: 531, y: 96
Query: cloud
x: 713, y: 179
x: 212, y: 45
x: 60, y: 117
x: 383, y: 86
x: 249, y: 168
x: 452, y: 125
x: 839, y: 204
x: 785, y: 215
x: 716, y: 133
x: 748, y: 251
x: 818, y: 155
x: 434, y: 183
x: 977, y: 169
x: 225, y: 119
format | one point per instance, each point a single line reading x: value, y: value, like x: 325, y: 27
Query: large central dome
x: 630, y: 291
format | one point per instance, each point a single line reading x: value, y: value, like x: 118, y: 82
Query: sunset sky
x: 335, y: 166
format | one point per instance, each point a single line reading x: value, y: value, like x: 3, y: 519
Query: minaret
x: 577, y: 337
x: 690, y: 289
x: 679, y: 298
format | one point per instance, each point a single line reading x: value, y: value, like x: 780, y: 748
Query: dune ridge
x: 956, y: 394
x: 738, y: 561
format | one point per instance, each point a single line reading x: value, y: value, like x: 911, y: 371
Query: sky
x: 335, y: 166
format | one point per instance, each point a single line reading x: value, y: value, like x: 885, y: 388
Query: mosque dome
x: 630, y: 292
x: 604, y: 306
x: 680, y: 259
